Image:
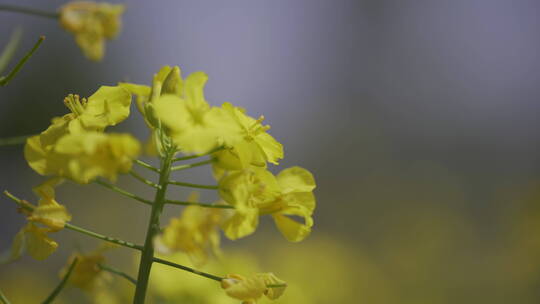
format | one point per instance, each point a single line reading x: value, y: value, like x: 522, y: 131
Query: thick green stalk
x: 147, y: 255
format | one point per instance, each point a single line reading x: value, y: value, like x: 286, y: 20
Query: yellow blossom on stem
x: 89, y: 155
x: 250, y: 289
x: 106, y: 107
x: 195, y: 232
x: 256, y: 191
x: 92, y: 23
x: 87, y: 274
x: 53, y: 216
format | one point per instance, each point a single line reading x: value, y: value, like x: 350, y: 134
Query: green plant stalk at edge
x: 4, y: 80
x: 3, y: 298
x: 147, y: 256
x: 62, y: 283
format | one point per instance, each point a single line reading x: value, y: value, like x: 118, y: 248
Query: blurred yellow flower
x: 195, y: 232
x: 91, y: 23
x: 87, y: 274
x: 88, y: 155
x: 250, y: 289
x: 255, y: 191
x: 49, y: 213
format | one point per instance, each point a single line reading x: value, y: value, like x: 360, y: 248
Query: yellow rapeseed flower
x: 88, y: 155
x: 53, y: 216
x: 87, y: 274
x: 91, y: 23
x: 195, y: 232
x: 108, y: 106
x: 256, y: 191
x: 250, y: 289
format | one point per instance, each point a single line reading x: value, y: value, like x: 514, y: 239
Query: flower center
x: 75, y: 104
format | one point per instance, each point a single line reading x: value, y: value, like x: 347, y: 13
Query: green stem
x: 12, y: 141
x: 189, y: 269
x: 10, y: 48
x: 103, y: 237
x: 147, y: 255
x: 142, y: 179
x: 122, y: 192
x: 29, y: 207
x: 205, y: 205
x: 117, y: 272
x: 62, y: 283
x: 29, y: 11
x: 4, y: 80
x: 183, y: 167
x: 212, y: 187
x: 146, y: 165
x: 3, y: 298
x: 198, y: 155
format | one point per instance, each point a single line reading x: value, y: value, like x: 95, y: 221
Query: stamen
x: 75, y: 104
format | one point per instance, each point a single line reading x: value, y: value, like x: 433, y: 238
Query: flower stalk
x: 147, y: 255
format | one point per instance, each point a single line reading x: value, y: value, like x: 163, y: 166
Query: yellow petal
x: 38, y: 244
x: 245, y: 289
x: 270, y: 279
x: 106, y: 107
x: 242, y: 223
x: 296, y: 179
x: 291, y: 230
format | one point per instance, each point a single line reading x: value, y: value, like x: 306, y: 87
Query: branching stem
x: 193, y: 165
x: 211, y: 187
x: 122, y: 192
x: 29, y: 11
x: 198, y: 155
x: 62, y: 283
x: 118, y: 273
x: 205, y: 205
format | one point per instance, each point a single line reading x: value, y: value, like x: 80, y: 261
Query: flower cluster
x: 76, y: 147
x: 91, y: 23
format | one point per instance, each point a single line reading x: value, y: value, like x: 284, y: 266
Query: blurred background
x: 419, y: 120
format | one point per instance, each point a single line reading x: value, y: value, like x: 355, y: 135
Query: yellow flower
x: 250, y: 289
x: 87, y: 274
x: 88, y: 155
x: 35, y: 241
x: 91, y: 23
x: 255, y: 147
x: 106, y: 107
x: 256, y: 191
x: 53, y: 216
x: 195, y: 232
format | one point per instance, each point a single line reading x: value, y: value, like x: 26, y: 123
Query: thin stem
x: 142, y: 179
x: 103, y: 237
x: 153, y: 229
x: 4, y: 80
x: 198, y: 155
x: 29, y: 11
x: 29, y: 207
x: 205, y: 205
x: 183, y: 167
x: 145, y: 165
x: 212, y: 187
x: 117, y: 272
x: 3, y: 298
x: 10, y: 48
x: 204, y: 274
x: 12, y: 141
x: 122, y: 192
x: 62, y: 283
